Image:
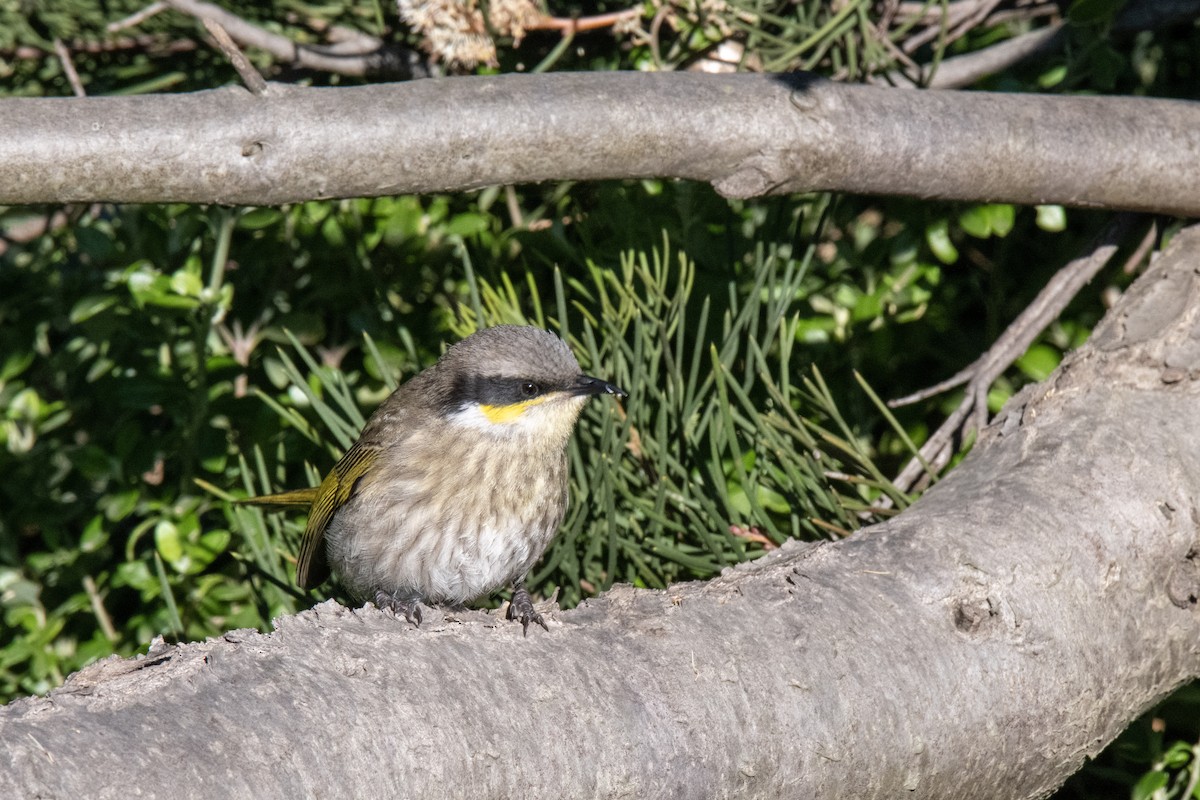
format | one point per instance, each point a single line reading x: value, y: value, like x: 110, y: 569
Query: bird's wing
x: 311, y: 565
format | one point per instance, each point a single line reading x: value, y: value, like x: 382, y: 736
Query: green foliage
x: 783, y: 36
x: 146, y: 349
x: 157, y: 362
x: 129, y: 369
x: 714, y: 438
x: 707, y: 463
x: 142, y: 353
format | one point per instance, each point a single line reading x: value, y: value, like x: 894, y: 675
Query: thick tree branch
x: 747, y: 134
x: 981, y: 644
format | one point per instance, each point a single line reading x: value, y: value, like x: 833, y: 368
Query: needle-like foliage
x: 727, y: 444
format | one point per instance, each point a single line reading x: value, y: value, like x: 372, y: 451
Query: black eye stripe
x: 499, y: 390
x: 469, y: 390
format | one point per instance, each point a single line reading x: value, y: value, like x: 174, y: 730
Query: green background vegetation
x: 156, y: 361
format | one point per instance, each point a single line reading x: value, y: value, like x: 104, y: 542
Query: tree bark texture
x: 746, y: 134
x: 981, y: 644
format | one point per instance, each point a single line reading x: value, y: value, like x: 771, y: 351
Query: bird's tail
x: 296, y: 498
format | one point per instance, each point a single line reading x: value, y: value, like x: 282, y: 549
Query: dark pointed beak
x: 585, y: 385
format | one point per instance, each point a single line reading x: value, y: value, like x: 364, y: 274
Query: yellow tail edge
x: 296, y: 498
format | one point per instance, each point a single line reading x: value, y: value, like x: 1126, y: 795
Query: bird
x: 458, y: 482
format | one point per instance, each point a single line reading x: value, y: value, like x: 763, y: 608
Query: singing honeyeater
x: 457, y: 483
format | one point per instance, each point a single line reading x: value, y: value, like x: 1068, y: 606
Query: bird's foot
x: 521, y: 609
x: 398, y: 604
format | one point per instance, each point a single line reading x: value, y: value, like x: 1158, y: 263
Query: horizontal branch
x: 981, y: 644
x: 746, y: 134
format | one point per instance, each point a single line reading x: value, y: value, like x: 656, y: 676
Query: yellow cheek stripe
x: 500, y: 415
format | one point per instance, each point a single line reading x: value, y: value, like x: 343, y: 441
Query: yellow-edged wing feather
x: 332, y: 494
x: 296, y: 498
x: 322, y: 502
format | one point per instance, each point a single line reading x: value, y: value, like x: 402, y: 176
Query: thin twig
x: 972, y: 21
x: 581, y: 24
x: 383, y: 59
x: 655, y: 27
x: 965, y: 70
x: 250, y: 76
x: 137, y: 18
x: 972, y: 413
x: 152, y: 43
x: 1142, y: 250
x: 938, y: 22
x: 102, y: 617
x: 1006, y: 15
x: 343, y: 35
x: 514, y: 207
x: 64, y: 55
x: 957, y: 379
x: 926, y: 14
x: 957, y: 23
x: 895, y: 52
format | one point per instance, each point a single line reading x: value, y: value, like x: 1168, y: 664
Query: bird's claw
x: 521, y: 609
x: 410, y: 607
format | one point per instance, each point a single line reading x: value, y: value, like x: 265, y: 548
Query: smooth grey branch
x: 746, y: 134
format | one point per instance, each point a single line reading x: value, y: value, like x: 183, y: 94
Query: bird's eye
x: 529, y: 389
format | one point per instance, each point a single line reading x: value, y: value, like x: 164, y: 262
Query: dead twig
x: 374, y: 58
x: 957, y: 20
x: 153, y: 44
x: 98, y: 609
x: 972, y: 412
x: 137, y: 18
x: 68, y: 66
x: 582, y: 24
x: 961, y: 71
x: 1142, y: 251
x: 249, y: 75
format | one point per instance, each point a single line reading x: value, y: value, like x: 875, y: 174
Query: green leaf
x: 386, y: 362
x: 468, y: 224
x: 1053, y: 76
x: 1052, y: 218
x: 94, y: 535
x: 937, y: 235
x: 335, y: 235
x: 259, y: 218
x: 984, y: 221
x: 119, y: 506
x: 136, y: 575
x: 1039, y: 361
x: 975, y: 222
x: 1150, y: 783
x: 1002, y: 217
x: 168, y: 541
x: 90, y: 306
x: 1177, y: 755
x: 186, y: 283
x: 997, y: 396
x: 15, y: 364
x: 200, y: 554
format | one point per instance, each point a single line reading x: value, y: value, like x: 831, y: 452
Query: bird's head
x: 515, y: 381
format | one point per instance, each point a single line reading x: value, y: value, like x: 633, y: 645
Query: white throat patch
x: 521, y: 419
